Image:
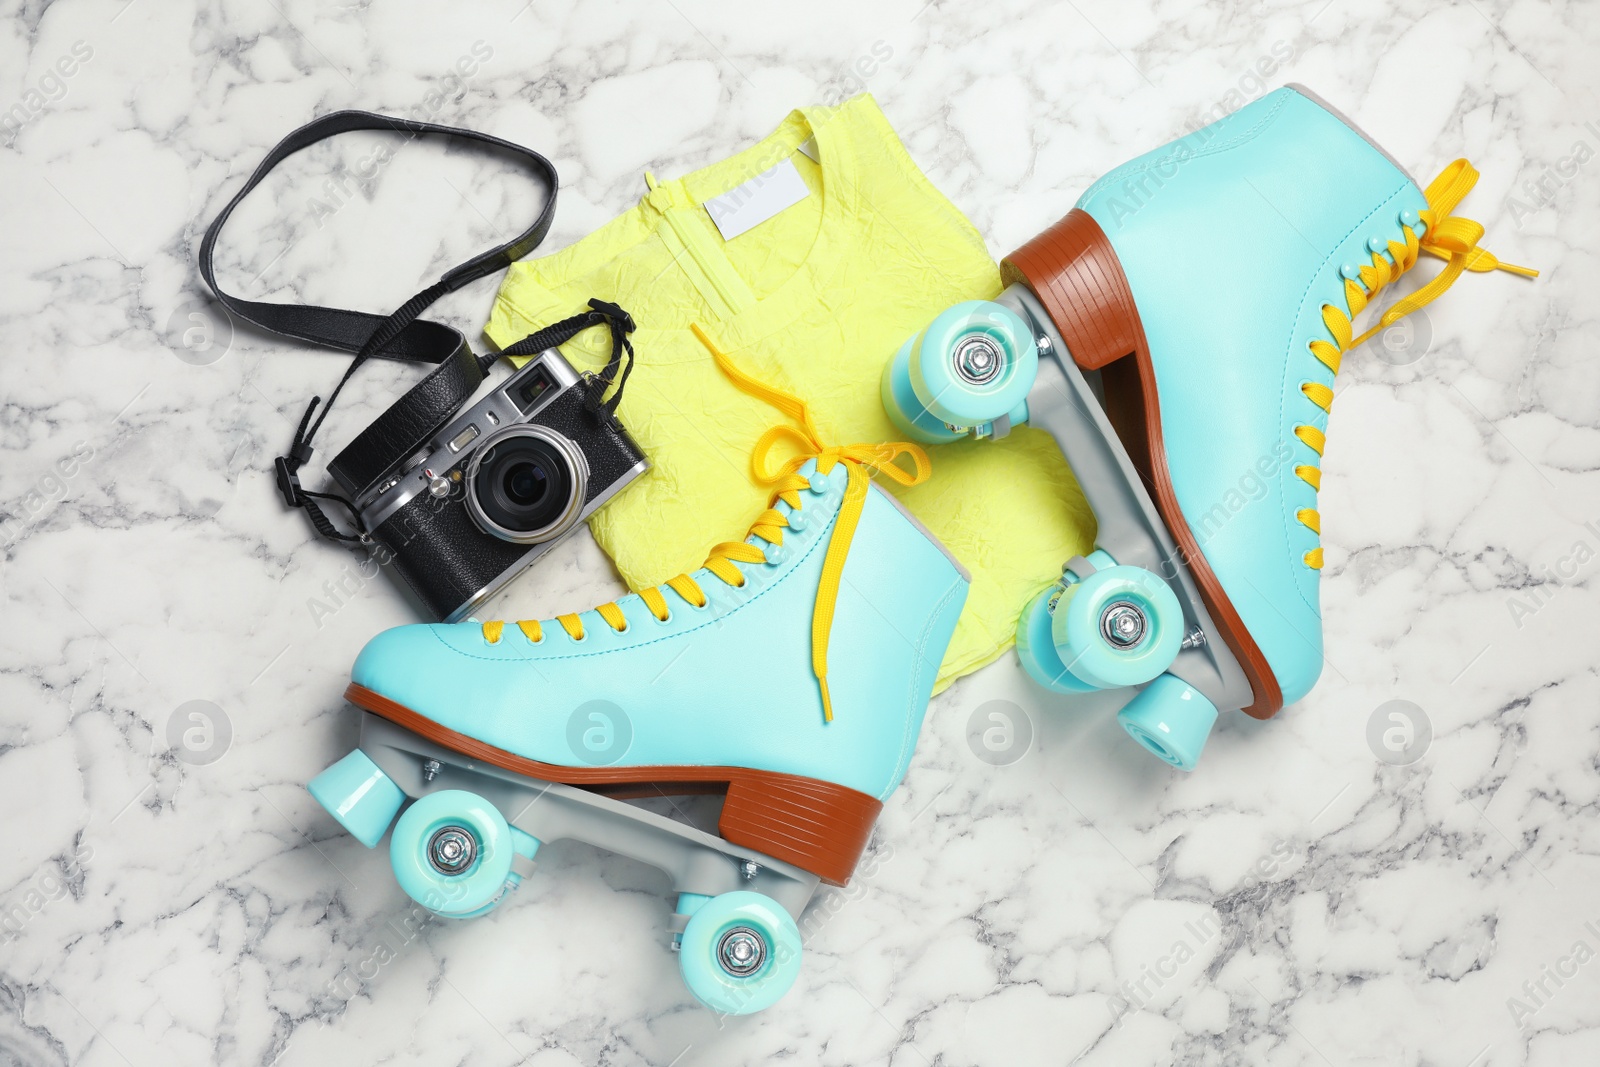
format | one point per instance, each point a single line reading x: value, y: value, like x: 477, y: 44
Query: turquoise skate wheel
x: 1172, y: 719
x: 357, y: 793
x: 904, y: 409
x: 1036, y: 648
x: 451, y: 852
x: 973, y: 364
x: 740, y: 953
x: 1119, y: 626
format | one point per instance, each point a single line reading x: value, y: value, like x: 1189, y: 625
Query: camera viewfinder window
x: 529, y: 392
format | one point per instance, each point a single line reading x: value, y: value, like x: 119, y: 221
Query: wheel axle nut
x: 978, y: 359
x: 452, y: 850
x: 741, y: 951
x: 1123, y: 624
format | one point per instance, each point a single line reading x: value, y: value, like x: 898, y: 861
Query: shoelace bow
x: 1450, y: 238
x: 785, y: 481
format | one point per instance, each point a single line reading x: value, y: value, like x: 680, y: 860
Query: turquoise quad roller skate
x: 1178, y: 334
x: 790, y: 675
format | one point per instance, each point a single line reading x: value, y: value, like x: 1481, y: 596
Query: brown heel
x: 1073, y: 270
x: 817, y: 826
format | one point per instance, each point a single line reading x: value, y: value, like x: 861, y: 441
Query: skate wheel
x: 902, y: 406
x: 740, y: 953
x: 974, y: 363
x: 357, y: 793
x: 1036, y: 648
x: 451, y: 852
x: 1119, y: 626
x: 1171, y: 718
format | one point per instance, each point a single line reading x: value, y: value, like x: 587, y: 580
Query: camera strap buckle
x: 614, y: 312
x: 288, y: 483
x: 295, y: 495
x: 288, y: 467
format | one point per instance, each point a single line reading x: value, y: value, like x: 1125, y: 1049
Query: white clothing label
x: 757, y: 200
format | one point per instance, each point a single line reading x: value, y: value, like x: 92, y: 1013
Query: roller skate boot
x: 1178, y: 334
x: 790, y: 674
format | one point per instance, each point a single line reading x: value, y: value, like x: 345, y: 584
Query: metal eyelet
x: 775, y: 553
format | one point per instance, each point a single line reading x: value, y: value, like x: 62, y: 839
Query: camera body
x: 499, y: 485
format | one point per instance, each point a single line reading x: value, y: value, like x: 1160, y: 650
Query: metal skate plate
x: 1066, y: 405
x: 695, y: 861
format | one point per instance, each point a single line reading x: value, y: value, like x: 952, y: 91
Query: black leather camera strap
x: 411, y: 421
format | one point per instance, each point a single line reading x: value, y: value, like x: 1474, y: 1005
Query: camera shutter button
x: 439, y: 486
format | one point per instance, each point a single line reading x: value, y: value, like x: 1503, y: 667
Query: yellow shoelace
x: 786, y: 483
x: 1452, y: 239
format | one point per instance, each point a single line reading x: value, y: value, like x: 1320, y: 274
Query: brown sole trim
x: 1073, y: 270
x: 817, y: 826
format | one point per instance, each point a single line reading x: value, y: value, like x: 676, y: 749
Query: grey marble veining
x: 1295, y: 901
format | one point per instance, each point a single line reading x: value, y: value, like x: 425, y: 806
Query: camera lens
x: 526, y: 484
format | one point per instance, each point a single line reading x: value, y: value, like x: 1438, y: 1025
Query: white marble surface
x: 1328, y: 908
